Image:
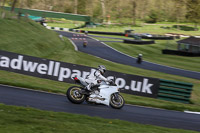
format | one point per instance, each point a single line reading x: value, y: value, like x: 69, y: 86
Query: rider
x: 139, y: 59
x: 96, y: 76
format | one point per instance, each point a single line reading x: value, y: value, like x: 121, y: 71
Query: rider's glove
x: 110, y: 81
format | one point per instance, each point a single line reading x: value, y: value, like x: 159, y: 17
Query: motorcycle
x: 105, y: 93
x: 85, y: 44
x: 139, y: 59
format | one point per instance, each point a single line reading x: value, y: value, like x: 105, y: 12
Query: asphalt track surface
x: 59, y: 103
x: 100, y: 49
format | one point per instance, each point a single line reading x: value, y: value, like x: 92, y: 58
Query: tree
x: 13, y: 5
x: 153, y: 17
x: 75, y: 6
x: 29, y: 3
x: 134, y: 11
x: 81, y: 7
x: 3, y: 3
x: 193, y: 11
x: 3, y: 12
x: 179, y: 4
x: 103, y: 9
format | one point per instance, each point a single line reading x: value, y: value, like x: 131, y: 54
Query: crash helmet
x: 102, y: 69
x: 140, y: 55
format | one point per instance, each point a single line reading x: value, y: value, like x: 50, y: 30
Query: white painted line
x: 75, y: 47
x: 66, y: 29
x: 94, y: 38
x: 191, y: 112
x: 56, y: 28
x: 48, y: 27
x: 45, y: 24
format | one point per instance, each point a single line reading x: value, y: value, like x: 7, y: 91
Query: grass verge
x: 28, y: 120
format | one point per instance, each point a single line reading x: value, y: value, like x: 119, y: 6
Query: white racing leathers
x: 91, y: 80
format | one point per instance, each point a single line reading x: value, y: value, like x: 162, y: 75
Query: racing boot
x: 89, y: 87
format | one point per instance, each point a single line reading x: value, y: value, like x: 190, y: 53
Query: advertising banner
x: 63, y: 72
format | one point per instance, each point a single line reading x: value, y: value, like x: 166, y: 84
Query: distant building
x: 191, y: 44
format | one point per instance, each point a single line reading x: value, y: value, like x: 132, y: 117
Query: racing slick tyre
x: 74, y: 95
x: 116, y: 101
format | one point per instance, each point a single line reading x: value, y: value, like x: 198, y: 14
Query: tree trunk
x: 13, y: 5
x: 177, y: 6
x: 51, y: 5
x: 134, y: 12
x: 103, y: 9
x: 195, y: 26
x: 20, y: 10
x: 75, y: 6
x: 3, y: 14
x: 2, y: 6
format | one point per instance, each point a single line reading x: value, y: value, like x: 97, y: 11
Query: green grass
x: 28, y: 120
x: 153, y: 53
x: 27, y: 37
x: 144, y: 28
x: 63, y: 23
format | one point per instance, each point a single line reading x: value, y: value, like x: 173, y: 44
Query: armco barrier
x: 175, y: 91
x: 120, y: 34
x: 158, y: 37
x: 182, y: 53
x: 140, y: 42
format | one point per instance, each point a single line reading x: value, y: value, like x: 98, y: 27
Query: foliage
x: 153, y: 17
x: 156, y: 10
x: 193, y: 11
x: 184, y: 27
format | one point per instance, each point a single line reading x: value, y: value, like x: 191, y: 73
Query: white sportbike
x: 106, y: 93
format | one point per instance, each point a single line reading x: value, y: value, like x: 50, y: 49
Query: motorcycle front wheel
x: 74, y: 95
x: 116, y: 101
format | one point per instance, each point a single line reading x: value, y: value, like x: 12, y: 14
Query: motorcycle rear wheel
x: 73, y: 94
x: 116, y: 102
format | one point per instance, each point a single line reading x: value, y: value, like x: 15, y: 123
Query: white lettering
x: 146, y: 86
x: 16, y: 63
x: 76, y: 73
x: 51, y: 64
x: 56, y: 70
x: 42, y: 68
x: 5, y: 61
x: 133, y: 86
x: 29, y: 66
x: 120, y: 82
x: 64, y: 73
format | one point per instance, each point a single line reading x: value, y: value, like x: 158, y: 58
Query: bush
x: 152, y: 17
x: 185, y: 28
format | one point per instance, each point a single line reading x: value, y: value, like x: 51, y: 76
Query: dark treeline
x: 147, y: 10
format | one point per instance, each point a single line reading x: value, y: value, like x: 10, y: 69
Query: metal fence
x: 51, y: 14
x: 175, y: 91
